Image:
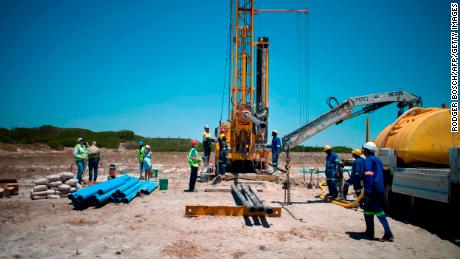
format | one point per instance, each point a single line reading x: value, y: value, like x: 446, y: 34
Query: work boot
x: 345, y: 193
x: 387, y: 238
x: 367, y: 235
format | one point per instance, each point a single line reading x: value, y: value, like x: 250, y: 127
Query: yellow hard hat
x: 327, y: 147
x: 356, y: 151
x: 222, y: 135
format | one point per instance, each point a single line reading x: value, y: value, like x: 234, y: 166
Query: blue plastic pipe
x: 100, y: 199
x: 128, y: 184
x: 149, y: 187
x: 109, y: 185
x: 86, y: 193
x: 136, y: 188
x: 130, y: 196
x: 83, y: 191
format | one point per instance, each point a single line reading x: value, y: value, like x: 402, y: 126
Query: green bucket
x: 163, y: 184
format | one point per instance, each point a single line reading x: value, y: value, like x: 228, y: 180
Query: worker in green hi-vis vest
x: 140, y: 158
x: 194, y: 162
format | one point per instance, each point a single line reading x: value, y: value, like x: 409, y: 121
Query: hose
x: 344, y: 204
x: 330, y: 99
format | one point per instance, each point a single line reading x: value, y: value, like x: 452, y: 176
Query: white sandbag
x: 73, y: 189
x: 43, y: 193
x: 54, y: 178
x: 71, y: 182
x: 66, y: 176
x: 40, y: 188
x: 54, y: 184
x: 79, y: 186
x: 63, y: 195
x: 38, y: 197
x: 54, y: 188
x: 53, y: 196
x: 64, y: 187
x: 41, y: 181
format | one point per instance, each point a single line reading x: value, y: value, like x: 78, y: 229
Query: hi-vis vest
x: 191, y: 161
x: 140, y: 154
x: 80, y: 152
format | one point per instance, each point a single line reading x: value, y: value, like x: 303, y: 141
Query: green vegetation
x: 58, y: 138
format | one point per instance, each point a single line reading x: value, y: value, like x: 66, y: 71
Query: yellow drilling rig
x: 246, y: 128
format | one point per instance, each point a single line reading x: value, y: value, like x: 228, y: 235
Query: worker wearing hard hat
x: 194, y: 162
x: 140, y: 158
x: 207, y: 141
x: 276, y: 149
x: 374, y: 193
x: 357, y: 173
x: 81, y: 155
x: 223, y: 152
x: 332, y: 161
x: 94, y: 156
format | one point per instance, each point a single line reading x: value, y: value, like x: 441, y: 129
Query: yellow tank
x: 420, y: 136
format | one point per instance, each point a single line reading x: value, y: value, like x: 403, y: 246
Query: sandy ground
x: 155, y: 225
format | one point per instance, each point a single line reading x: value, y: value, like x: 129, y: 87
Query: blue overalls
x: 357, y: 173
x: 223, y: 155
x: 332, y: 161
x: 374, y: 194
x: 276, y: 150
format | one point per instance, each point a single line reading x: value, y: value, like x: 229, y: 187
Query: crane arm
x: 344, y: 111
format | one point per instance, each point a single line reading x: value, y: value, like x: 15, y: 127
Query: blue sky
x: 157, y: 67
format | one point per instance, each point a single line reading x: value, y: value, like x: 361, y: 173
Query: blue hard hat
x: 141, y: 143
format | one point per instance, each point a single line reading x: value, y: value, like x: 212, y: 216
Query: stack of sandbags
x: 54, y: 186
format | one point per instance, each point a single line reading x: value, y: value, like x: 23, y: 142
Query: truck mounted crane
x: 340, y: 113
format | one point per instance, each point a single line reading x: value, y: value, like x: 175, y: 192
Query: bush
x: 58, y: 138
x: 54, y: 144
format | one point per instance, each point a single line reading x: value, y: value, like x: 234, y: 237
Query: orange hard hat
x: 194, y: 142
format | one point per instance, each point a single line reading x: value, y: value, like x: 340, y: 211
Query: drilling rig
x: 246, y: 128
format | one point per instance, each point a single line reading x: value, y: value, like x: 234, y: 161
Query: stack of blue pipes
x: 121, y: 189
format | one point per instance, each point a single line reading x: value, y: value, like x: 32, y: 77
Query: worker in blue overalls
x: 276, y: 150
x: 374, y: 193
x: 332, y: 161
x: 357, y: 173
x: 223, y: 152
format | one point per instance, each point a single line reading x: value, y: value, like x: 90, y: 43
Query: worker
x: 223, y: 152
x: 357, y: 173
x: 332, y: 161
x: 276, y: 150
x: 194, y: 162
x: 81, y: 155
x: 207, y: 141
x: 374, y: 193
x: 140, y: 158
x: 147, y: 166
x: 93, y: 161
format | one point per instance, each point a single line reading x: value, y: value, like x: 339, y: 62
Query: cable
x: 307, y: 67
x: 299, y: 77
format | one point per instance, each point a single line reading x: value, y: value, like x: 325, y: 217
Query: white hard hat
x: 275, y: 131
x: 79, y: 139
x: 206, y: 126
x: 370, y: 146
x: 147, y: 146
